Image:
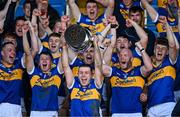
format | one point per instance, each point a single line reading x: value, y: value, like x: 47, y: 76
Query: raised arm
x: 179, y: 20
x: 110, y: 8
x: 108, y: 53
x: 140, y: 32
x: 74, y: 9
x: 29, y: 62
x: 67, y: 70
x: 173, y: 50
x: 34, y: 40
x: 4, y: 11
x: 147, y: 67
x: 151, y: 11
x: 60, y: 67
x: 98, y: 64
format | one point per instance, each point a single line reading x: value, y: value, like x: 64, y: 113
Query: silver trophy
x: 78, y: 38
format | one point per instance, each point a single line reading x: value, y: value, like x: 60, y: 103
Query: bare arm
x: 34, y: 41
x: 140, y: 32
x: 151, y: 11
x: 108, y: 53
x: 110, y: 8
x: 67, y: 70
x: 147, y: 67
x: 74, y: 9
x: 29, y: 62
x: 60, y: 67
x: 4, y: 11
x: 103, y: 34
x: 98, y: 64
x: 173, y: 51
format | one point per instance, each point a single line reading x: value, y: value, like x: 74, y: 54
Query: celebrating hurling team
x: 116, y: 58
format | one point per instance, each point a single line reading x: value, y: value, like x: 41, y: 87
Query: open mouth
x: 20, y: 30
x: 44, y: 65
x: 11, y: 58
x: 91, y: 12
x: 53, y: 46
x: 123, y: 62
x: 84, y: 80
x: 159, y: 54
x: 122, y: 46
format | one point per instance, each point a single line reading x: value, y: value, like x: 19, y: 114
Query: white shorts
x: 161, y: 110
x: 127, y: 115
x: 10, y: 110
x: 44, y: 114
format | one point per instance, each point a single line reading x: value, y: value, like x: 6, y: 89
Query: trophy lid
x: 78, y: 38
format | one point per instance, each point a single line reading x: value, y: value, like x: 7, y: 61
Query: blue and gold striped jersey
x: 45, y: 87
x: 171, y: 21
x: 160, y: 83
x: 85, y: 101
x: 124, y: 10
x: 93, y: 25
x: 126, y: 89
x: 11, y: 83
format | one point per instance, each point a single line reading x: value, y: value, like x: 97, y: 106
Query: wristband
x: 142, y: 50
x: 114, y: 25
x: 101, y: 47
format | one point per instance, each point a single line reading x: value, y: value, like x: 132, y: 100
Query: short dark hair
x: 90, y: 1
x: 19, y: 18
x: 134, y: 9
x: 55, y: 35
x: 122, y: 35
x: 48, y: 53
x: 162, y: 41
x: 6, y: 43
x: 26, y: 2
x: 86, y: 65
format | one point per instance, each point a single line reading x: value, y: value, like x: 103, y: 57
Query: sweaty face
x: 27, y: 10
x: 92, y: 10
x: 18, y: 27
x: 84, y: 75
x: 88, y: 56
x: 45, y: 62
x: 54, y: 43
x: 122, y: 43
x: 135, y: 17
x: 160, y: 52
x: 9, y: 54
x: 125, y: 57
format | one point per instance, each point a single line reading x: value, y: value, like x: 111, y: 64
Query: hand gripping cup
x: 78, y: 38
